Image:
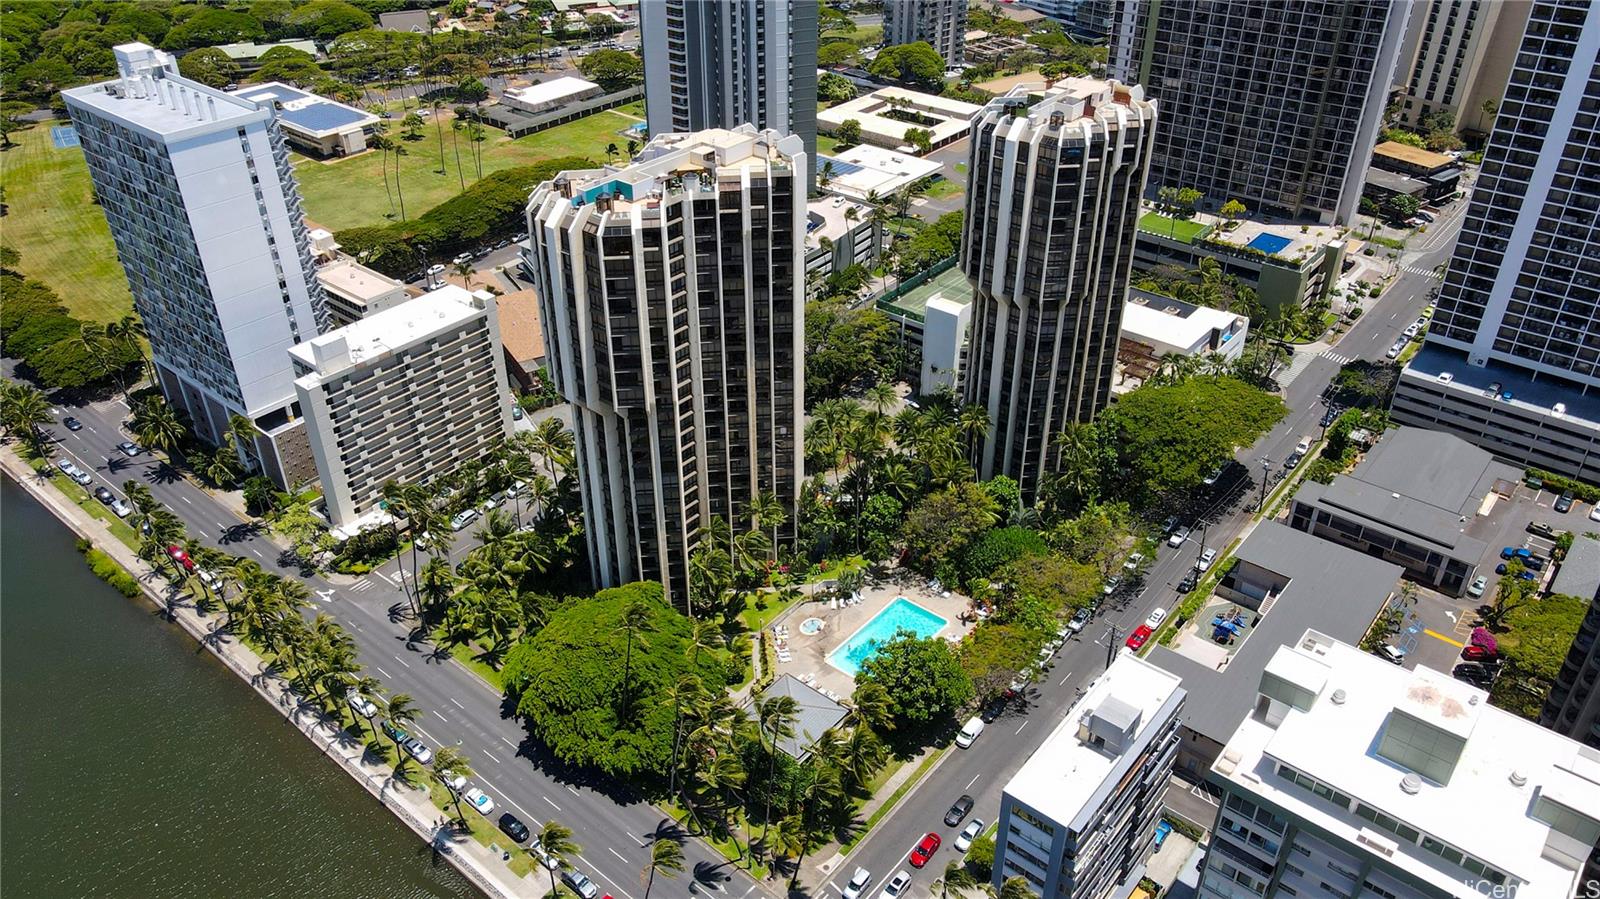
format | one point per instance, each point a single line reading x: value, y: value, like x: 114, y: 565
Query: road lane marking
x: 508, y: 742
x: 973, y: 780
x: 221, y: 526
x: 383, y: 672
x: 1024, y: 724
x: 1064, y: 678
x: 491, y: 757
x: 572, y: 791
x: 185, y: 499
x: 257, y: 552
x: 441, y: 717
x: 552, y: 804
x: 753, y: 889
x: 459, y: 705
x: 616, y: 853
x: 402, y: 661
x: 1438, y: 636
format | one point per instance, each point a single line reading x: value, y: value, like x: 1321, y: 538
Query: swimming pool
x: 1269, y: 243
x: 902, y: 614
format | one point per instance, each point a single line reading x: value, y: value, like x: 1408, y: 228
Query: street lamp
x: 1266, y: 469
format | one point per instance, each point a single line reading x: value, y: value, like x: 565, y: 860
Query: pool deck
x: 809, y: 654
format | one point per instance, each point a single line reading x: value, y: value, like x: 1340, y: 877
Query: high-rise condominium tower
x: 1457, y: 57
x: 203, y: 207
x: 1512, y: 359
x: 942, y: 23
x: 672, y: 297
x: 1275, y: 103
x: 1051, y: 211
x: 725, y: 63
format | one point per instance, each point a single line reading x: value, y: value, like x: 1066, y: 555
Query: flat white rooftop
x: 553, y: 91
x: 1063, y: 774
x: 865, y: 169
x: 384, y: 332
x: 836, y: 222
x: 1483, y: 810
x: 352, y: 279
x: 885, y: 114
x: 149, y: 95
x: 1150, y: 322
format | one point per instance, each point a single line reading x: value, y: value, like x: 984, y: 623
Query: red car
x: 925, y: 850
x: 1476, y: 653
x: 181, y: 557
x: 1139, y: 635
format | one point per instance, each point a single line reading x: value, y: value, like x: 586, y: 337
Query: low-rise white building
x: 406, y: 394
x: 1079, y: 817
x: 355, y: 291
x: 1154, y: 326
x: 1357, y: 778
x: 839, y: 234
x: 315, y: 124
x: 886, y: 113
x: 944, y: 343
x: 548, y: 95
x: 864, y: 170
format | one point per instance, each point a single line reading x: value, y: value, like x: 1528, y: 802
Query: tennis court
x: 951, y: 283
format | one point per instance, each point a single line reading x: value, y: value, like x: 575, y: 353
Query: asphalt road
x: 612, y: 825
x: 1006, y: 744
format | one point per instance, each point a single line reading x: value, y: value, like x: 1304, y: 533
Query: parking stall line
x: 1438, y: 636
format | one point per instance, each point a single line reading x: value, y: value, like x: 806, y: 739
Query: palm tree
x: 402, y: 710
x: 775, y: 718
x: 973, y: 422
x: 633, y: 147
x: 455, y: 142
x: 25, y: 411
x: 556, y: 840
x: 955, y: 877
x: 221, y: 467
x: 371, y: 688
x: 860, y: 754
x: 873, y: 706
x: 611, y: 151
x: 400, y: 152
x: 92, y: 339
x: 466, y: 271
x: 438, y: 128
x: 636, y: 622
x: 451, y: 762
x: 665, y: 856
x: 436, y: 584
x: 157, y: 425
x: 1015, y: 888
x: 127, y: 333
x: 241, y: 434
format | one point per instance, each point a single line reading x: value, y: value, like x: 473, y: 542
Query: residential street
x: 612, y: 825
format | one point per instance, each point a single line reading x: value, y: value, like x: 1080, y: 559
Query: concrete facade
x: 1458, y: 54
x: 942, y: 23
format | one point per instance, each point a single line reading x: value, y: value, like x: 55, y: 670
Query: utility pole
x: 1111, y: 643
x: 1266, y: 469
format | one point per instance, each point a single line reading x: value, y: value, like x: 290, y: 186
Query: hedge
x: 106, y: 569
x: 1586, y: 492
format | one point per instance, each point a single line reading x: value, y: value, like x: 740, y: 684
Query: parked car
x: 1474, y: 674
x: 512, y: 827
x: 1515, y: 552
x: 579, y: 883
x: 858, y: 881
x: 1525, y: 574
x: 925, y: 848
x: 129, y: 448
x: 550, y: 862
x: 359, y: 704
x: 1170, y: 525
x: 1395, y: 349
x: 958, y: 810
x: 1594, y: 514
x: 1392, y: 654
x: 71, y: 470
x: 1178, y: 536
x: 454, y: 782
x: 1213, y: 477
x: 969, y: 732
x: 1191, y: 580
x: 417, y: 750
x: 436, y: 269
x: 1140, y: 634
x: 1133, y: 562
x: 1330, y: 416
x: 121, y: 508
x: 72, y: 423
x: 1475, y: 653
x: 1541, y: 529
x: 1479, y: 584
x: 181, y: 557
x: 1412, y: 329
x: 968, y: 834
x: 1303, y: 447
x: 1207, y: 557
x: 207, y: 578
x: 896, y: 885
x: 462, y: 258
x: 1111, y: 585
x: 103, y: 495
x: 479, y: 800
x: 463, y: 518
x: 1564, y: 502
x: 1079, y: 619
x: 1156, y: 617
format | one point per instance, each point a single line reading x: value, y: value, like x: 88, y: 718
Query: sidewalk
x: 410, y: 804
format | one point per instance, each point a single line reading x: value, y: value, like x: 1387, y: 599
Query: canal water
x: 132, y: 763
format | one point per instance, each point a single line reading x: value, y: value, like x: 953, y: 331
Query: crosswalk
x: 1337, y: 358
x: 1425, y: 271
x: 361, y: 586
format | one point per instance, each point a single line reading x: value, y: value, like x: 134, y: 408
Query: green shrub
x: 106, y: 569
x: 1589, y: 493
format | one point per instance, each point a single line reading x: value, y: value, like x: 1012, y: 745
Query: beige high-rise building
x: 942, y: 23
x: 1457, y: 55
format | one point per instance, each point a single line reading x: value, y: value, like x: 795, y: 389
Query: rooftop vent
x: 1411, y: 784
x: 1338, y: 696
x: 1518, y: 779
x: 1558, y: 410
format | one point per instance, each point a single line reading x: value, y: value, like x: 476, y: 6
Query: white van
x: 969, y: 732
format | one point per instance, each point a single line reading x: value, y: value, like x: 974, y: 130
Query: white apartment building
x: 1458, y: 54
x: 731, y: 63
x: 406, y: 394
x: 839, y: 233
x: 942, y: 23
x: 945, y: 322
x: 202, y: 204
x: 1048, y: 242
x: 1078, y: 819
x: 354, y: 291
x: 1356, y: 778
x: 672, y: 297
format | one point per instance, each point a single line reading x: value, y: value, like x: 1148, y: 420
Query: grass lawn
x: 1178, y: 229
x: 944, y: 187
x: 756, y: 619
x: 348, y: 193
x: 826, y: 144
x: 57, y: 229
x: 468, y: 655
x: 862, y: 36
x: 483, y: 830
x: 70, y: 489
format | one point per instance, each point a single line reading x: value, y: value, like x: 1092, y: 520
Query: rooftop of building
x: 1580, y: 571
x: 1412, y: 155
x: 148, y: 94
x: 520, y: 330
x: 1331, y: 589
x: 250, y: 50
x: 554, y: 90
x: 1275, y: 238
x: 1066, y: 771
x: 831, y: 216
x: 382, y: 333
x: 1394, y: 182
x: 863, y: 170
x: 414, y: 20
x: 1514, y: 386
x: 673, y: 162
x: 814, y: 713
x: 886, y: 114
x: 306, y: 111
x: 1152, y: 317
x: 350, y: 278
x: 950, y: 285
x: 1071, y: 100
x: 1360, y: 713
x: 1425, y: 483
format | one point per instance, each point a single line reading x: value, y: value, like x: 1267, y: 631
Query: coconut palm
x: 157, y: 425
x: 1015, y: 888
x: 221, y: 467
x: 973, y: 423
x: 611, y: 151
x: 666, y: 856
x: 25, y: 412
x: 465, y: 270
x: 775, y: 718
x: 402, y: 710
x: 768, y: 512
x: 636, y: 622
x: 873, y: 707
x: 435, y: 584
x: 556, y: 840
x: 450, y: 762
x: 955, y: 878
x: 241, y: 434
x: 371, y: 688
x: 438, y: 127
x: 455, y: 142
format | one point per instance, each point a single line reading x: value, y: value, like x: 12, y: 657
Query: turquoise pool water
x: 902, y: 614
x: 1269, y: 243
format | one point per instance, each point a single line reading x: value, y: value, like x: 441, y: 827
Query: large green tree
x: 939, y: 529
x: 923, y: 677
x: 613, y: 70
x: 1540, y: 633
x: 1170, y: 436
x: 594, y: 683
x: 915, y: 63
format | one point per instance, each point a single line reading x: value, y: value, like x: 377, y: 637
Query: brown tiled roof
x: 519, y: 327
